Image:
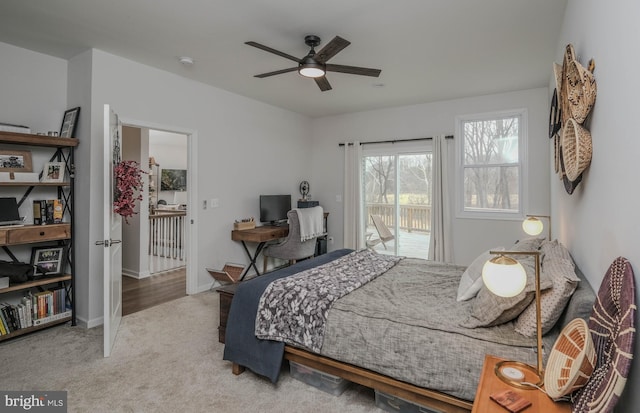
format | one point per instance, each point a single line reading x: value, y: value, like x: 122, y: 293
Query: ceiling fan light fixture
x: 309, y: 67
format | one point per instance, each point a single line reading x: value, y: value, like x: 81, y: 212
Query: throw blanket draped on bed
x: 263, y: 357
x: 294, y: 309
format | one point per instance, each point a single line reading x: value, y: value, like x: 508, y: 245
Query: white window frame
x: 523, y: 180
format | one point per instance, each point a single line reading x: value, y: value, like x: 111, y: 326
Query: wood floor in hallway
x: 157, y: 289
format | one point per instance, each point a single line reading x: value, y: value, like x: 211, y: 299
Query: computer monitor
x: 274, y: 208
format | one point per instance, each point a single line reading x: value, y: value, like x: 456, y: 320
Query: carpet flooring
x: 166, y: 359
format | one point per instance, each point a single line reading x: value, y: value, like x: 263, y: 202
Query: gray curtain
x: 440, y: 245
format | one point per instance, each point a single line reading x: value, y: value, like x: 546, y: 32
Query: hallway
x: 157, y: 289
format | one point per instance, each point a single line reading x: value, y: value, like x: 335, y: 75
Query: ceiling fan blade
x: 277, y: 72
x: 323, y: 83
x: 331, y: 49
x: 354, y: 70
x: 274, y: 51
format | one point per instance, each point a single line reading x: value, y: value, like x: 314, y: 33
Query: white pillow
x: 471, y: 280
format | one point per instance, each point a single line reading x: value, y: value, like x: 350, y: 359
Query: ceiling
x: 428, y: 50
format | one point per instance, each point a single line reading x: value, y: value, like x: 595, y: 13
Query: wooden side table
x: 226, y: 295
x: 490, y: 383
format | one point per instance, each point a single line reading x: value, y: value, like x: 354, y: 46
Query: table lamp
x: 505, y: 277
x: 533, y: 226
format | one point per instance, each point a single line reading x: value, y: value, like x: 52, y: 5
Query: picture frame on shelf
x: 53, y: 172
x: 15, y: 161
x: 48, y: 260
x: 69, y: 123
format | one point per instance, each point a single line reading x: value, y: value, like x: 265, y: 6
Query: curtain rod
x: 396, y: 140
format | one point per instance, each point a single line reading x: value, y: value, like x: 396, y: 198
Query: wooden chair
x: 384, y: 234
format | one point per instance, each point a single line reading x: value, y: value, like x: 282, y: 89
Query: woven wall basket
x: 571, y: 361
x: 576, y: 148
x: 580, y: 90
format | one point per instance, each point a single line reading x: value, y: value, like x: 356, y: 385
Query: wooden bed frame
x: 430, y: 398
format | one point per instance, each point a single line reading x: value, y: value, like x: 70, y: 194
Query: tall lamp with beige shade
x: 505, y: 277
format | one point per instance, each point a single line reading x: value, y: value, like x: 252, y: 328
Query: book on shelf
x: 8, y: 127
x: 34, y: 309
x: 3, y: 325
x: 48, y: 211
x: 51, y: 318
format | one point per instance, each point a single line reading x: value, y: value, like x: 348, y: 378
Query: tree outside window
x: 492, y: 164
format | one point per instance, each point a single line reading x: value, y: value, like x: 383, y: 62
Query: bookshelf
x: 54, y: 293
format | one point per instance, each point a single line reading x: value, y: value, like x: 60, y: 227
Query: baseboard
x: 135, y: 274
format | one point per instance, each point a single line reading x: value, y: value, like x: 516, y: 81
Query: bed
x: 402, y: 333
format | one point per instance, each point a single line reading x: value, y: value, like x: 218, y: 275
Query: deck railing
x: 412, y: 217
x: 167, y: 234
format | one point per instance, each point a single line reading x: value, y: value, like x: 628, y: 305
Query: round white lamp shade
x: 532, y: 226
x: 504, y: 276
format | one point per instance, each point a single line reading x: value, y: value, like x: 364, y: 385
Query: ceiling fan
x: 314, y: 64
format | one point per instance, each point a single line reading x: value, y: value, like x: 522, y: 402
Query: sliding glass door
x: 397, y: 199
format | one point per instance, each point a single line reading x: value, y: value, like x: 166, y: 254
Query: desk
x: 490, y: 383
x: 259, y: 235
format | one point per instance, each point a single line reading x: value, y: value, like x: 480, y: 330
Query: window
x: 491, y: 159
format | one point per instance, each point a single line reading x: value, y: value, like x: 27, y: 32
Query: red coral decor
x: 128, y: 188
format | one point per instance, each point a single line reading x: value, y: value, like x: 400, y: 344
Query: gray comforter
x: 406, y: 324
x: 294, y: 309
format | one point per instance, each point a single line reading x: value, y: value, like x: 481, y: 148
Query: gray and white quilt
x: 294, y: 309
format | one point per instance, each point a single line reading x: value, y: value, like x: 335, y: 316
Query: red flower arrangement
x: 128, y: 190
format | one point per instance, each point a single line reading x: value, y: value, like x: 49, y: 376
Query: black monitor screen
x: 274, y: 208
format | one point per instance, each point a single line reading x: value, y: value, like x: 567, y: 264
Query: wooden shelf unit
x: 57, y: 234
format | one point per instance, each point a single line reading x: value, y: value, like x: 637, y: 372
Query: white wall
x: 470, y: 236
x: 599, y: 222
x: 134, y: 233
x: 33, y: 89
x: 244, y: 148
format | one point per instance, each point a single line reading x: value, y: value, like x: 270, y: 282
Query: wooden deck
x: 410, y: 244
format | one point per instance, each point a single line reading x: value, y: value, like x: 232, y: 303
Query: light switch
x: 338, y: 198
x: 215, y: 203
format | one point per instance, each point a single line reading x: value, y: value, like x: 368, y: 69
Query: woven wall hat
x: 578, y: 87
x: 576, y: 148
x: 569, y: 56
x: 569, y: 185
x: 612, y: 326
x: 555, y: 116
x: 581, y: 90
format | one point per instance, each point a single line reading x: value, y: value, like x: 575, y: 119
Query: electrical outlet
x: 338, y: 198
x: 204, y: 204
x: 330, y: 239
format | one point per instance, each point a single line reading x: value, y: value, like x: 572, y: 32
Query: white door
x: 112, y: 232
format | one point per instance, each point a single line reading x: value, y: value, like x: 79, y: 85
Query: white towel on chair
x: 311, y: 222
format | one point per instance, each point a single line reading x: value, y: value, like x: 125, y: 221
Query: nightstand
x: 490, y: 383
x: 226, y: 296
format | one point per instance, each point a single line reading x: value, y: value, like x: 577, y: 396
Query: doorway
x: 155, y: 255
x: 397, y: 188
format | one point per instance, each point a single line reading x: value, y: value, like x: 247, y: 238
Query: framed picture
x: 53, y: 172
x: 15, y: 161
x: 48, y: 260
x: 69, y: 122
x: 173, y: 180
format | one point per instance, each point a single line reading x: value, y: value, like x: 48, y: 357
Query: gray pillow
x: 489, y: 309
x: 552, y: 301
